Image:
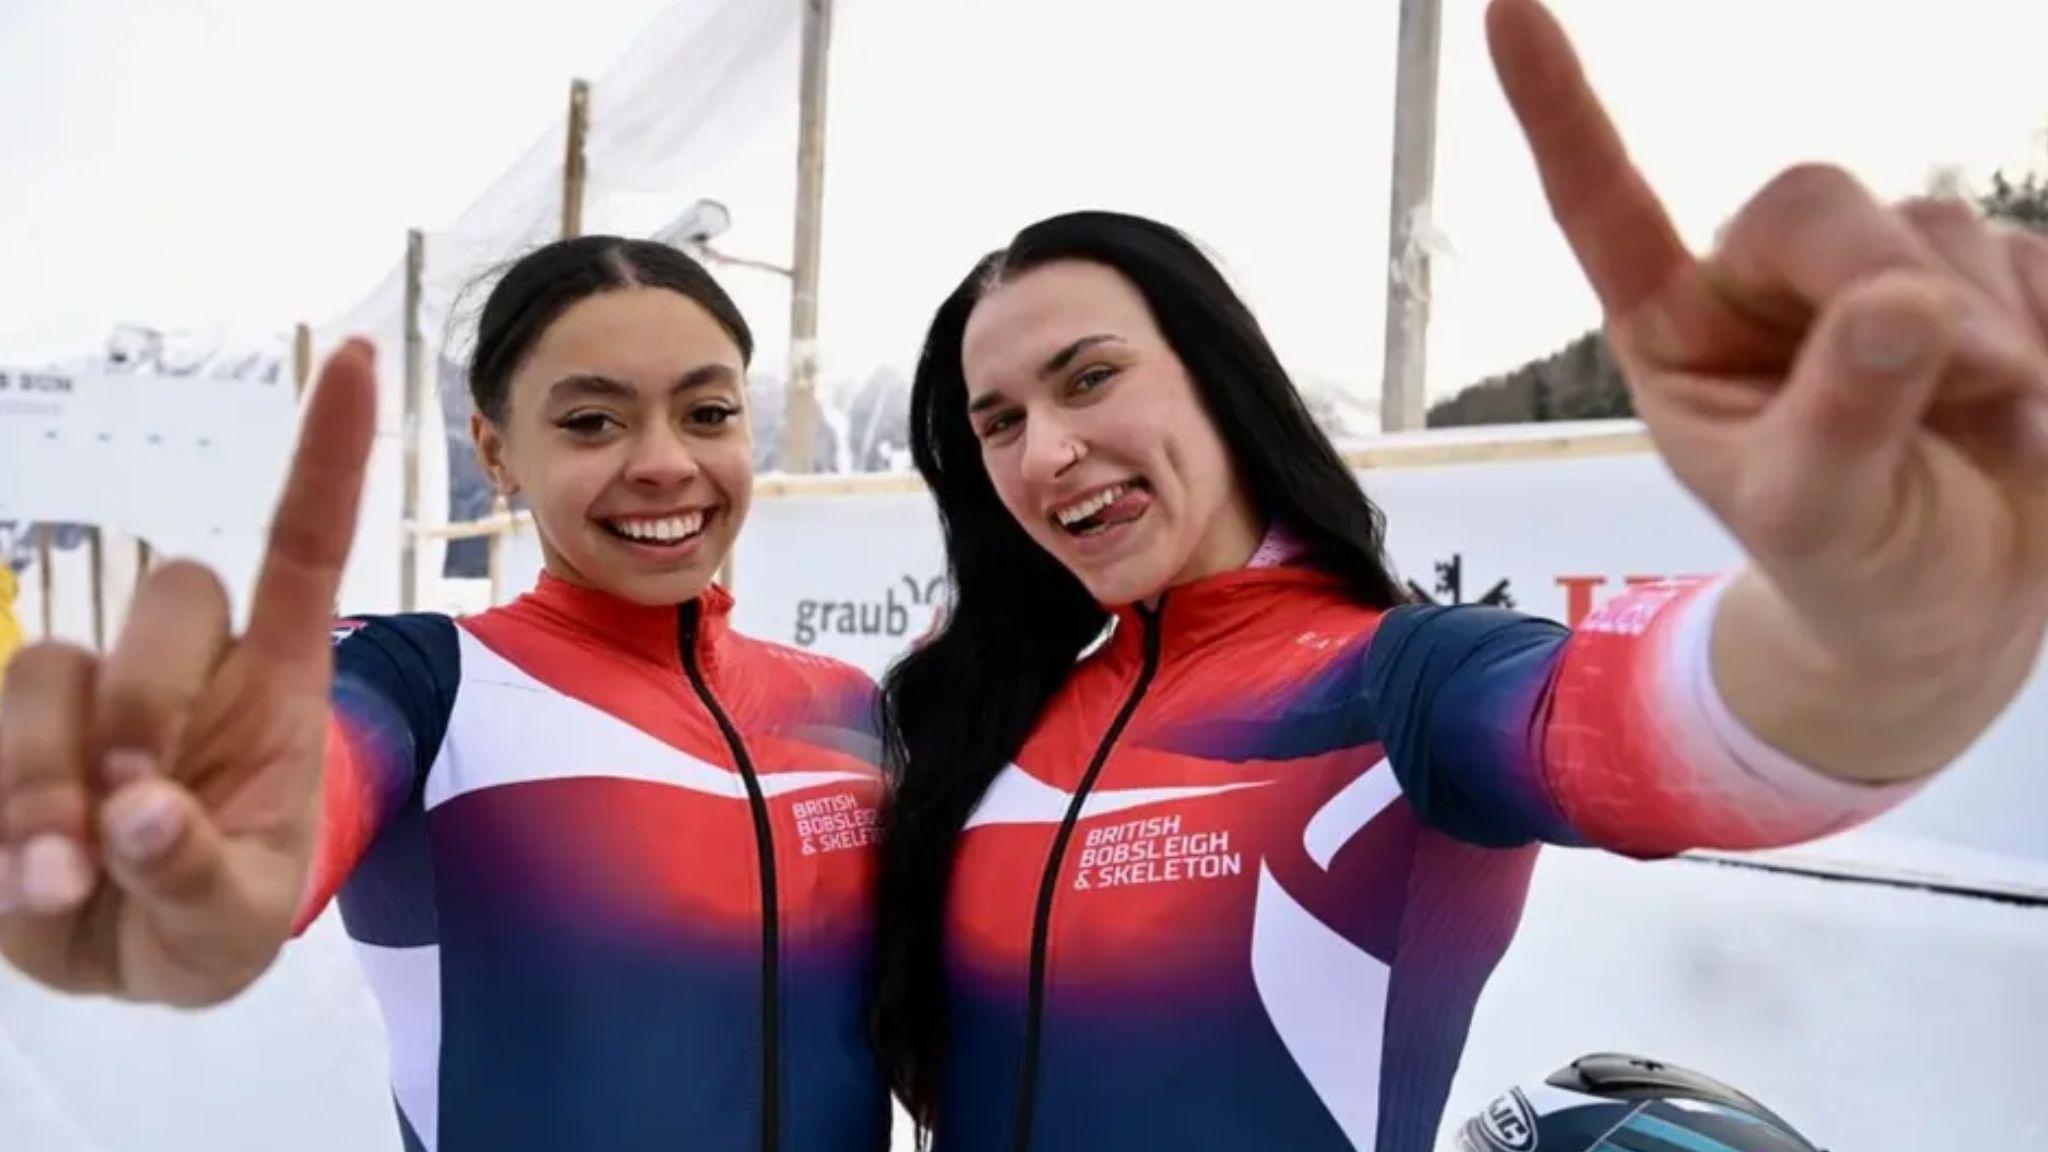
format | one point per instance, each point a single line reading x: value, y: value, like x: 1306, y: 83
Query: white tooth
x: 1093, y: 504
x: 666, y: 531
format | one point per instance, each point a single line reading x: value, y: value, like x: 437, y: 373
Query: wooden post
x: 800, y: 415
x: 302, y: 357
x: 1403, y: 386
x: 573, y: 171
x: 45, y: 573
x: 495, y: 547
x: 95, y: 546
x: 415, y: 369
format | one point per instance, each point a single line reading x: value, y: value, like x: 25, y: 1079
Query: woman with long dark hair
x: 1201, y: 837
x: 605, y: 860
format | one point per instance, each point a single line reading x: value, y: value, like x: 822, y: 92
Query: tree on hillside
x: 2025, y: 202
x: 1581, y: 381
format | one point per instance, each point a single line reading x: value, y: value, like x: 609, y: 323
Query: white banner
x: 191, y: 465
x: 856, y: 576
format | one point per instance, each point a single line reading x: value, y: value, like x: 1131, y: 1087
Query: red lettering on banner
x: 1578, y: 592
x: 1578, y: 597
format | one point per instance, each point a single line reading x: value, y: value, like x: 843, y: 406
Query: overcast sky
x: 249, y: 164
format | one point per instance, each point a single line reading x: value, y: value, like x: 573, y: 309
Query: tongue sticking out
x: 1124, y: 509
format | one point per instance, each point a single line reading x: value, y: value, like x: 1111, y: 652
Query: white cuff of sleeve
x: 1739, y: 760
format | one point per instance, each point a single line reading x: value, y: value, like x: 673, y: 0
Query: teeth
x: 1073, y: 513
x: 665, y: 531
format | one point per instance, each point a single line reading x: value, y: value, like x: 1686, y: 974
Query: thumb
x: 1823, y: 466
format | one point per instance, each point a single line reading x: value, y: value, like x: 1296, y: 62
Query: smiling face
x: 626, y: 432
x: 1095, y: 437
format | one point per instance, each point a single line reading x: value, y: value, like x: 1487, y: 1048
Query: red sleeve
x: 1643, y: 757
x: 394, y: 686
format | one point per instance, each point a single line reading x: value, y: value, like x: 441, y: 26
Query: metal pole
x: 1402, y: 391
x: 573, y: 170
x: 800, y: 421
x: 408, y: 548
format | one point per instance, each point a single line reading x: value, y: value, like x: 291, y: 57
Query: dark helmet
x: 1614, y: 1103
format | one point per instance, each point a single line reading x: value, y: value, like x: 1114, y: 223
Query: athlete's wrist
x: 1851, y: 717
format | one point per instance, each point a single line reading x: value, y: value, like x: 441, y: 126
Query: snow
x: 1874, y: 1018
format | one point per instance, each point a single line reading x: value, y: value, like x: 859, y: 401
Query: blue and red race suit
x: 1245, y: 882
x: 609, y: 871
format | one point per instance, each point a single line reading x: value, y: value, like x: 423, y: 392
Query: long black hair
x: 958, y: 707
x: 545, y: 282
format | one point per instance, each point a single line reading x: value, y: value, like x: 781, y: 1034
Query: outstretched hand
x: 158, y: 805
x: 1858, y: 391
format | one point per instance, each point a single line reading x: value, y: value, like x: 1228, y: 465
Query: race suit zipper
x: 1048, y: 885
x: 771, y: 927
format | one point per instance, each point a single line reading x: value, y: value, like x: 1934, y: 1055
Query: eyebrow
x: 1055, y: 363
x: 599, y: 384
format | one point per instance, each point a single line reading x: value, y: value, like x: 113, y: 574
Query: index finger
x: 316, y: 517
x: 1618, y: 229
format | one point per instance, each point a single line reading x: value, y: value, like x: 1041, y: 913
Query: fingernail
x: 127, y: 765
x: 1891, y: 341
x: 54, y: 874
x: 142, y: 825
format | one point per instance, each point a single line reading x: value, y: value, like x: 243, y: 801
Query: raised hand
x: 1858, y: 391
x: 158, y: 806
